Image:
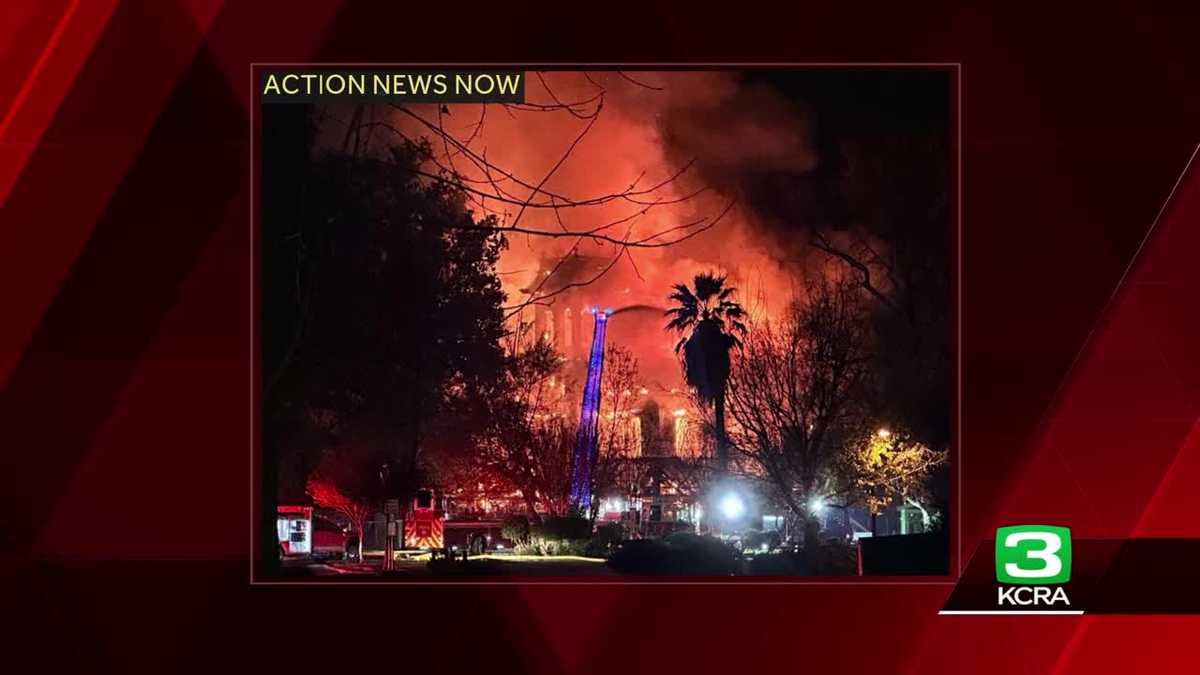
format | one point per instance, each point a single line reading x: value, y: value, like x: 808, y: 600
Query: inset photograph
x: 643, y: 324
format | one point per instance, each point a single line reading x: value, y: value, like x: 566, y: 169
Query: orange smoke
x: 646, y: 133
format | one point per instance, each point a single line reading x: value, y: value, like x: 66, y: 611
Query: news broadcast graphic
x: 394, y: 86
x: 607, y: 324
x: 1039, y: 569
x: 135, y: 306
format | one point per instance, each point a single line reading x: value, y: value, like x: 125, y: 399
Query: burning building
x: 695, y: 142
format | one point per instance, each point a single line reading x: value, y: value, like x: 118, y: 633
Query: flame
x: 643, y: 137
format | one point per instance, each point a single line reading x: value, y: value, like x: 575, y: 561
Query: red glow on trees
x: 327, y: 495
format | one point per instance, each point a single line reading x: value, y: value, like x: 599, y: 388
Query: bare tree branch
x: 820, y: 241
x: 494, y: 187
x: 640, y: 84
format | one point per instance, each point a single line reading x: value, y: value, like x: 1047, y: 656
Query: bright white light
x: 816, y: 505
x: 884, y: 433
x: 500, y: 547
x: 732, y: 506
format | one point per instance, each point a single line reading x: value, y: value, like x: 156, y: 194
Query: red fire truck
x: 426, y: 527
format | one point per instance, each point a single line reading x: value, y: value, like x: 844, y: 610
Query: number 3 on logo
x: 1033, y: 554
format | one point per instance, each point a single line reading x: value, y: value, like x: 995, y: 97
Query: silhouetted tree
x: 393, y: 316
x: 710, y: 323
x: 528, y: 436
x: 800, y: 390
x: 893, y: 236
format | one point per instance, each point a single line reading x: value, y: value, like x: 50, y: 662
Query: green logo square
x: 1033, y: 554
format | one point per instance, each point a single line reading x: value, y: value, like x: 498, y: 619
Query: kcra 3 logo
x: 1032, y: 561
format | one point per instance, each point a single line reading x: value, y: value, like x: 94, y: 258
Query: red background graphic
x: 125, y: 400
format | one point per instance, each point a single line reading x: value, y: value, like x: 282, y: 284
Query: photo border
x: 257, y: 517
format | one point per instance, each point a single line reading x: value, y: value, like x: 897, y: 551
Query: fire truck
x: 426, y: 522
x: 427, y: 527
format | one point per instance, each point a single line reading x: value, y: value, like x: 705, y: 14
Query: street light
x: 816, y: 505
x: 732, y: 506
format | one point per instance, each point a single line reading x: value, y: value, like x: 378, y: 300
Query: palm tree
x: 709, y: 324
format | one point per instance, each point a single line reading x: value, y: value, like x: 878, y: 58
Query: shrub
x: 562, y: 527
x: 753, y: 540
x: 641, y: 556
x: 526, y: 548
x: 609, y: 534
x: 682, y: 539
x: 515, y: 529
x: 569, y: 547
x: 605, y: 540
x: 774, y: 539
x: 551, y: 547
x: 564, y: 535
x: 680, y: 553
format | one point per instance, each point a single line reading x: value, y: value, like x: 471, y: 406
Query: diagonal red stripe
x: 91, y: 148
x: 43, y: 87
x: 40, y: 63
x: 1116, y: 436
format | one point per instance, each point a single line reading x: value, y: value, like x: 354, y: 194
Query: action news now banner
x: 391, y: 86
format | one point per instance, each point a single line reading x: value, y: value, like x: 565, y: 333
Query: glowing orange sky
x: 711, y: 114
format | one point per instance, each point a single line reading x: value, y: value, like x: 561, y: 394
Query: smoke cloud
x: 714, y: 125
x: 776, y: 154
